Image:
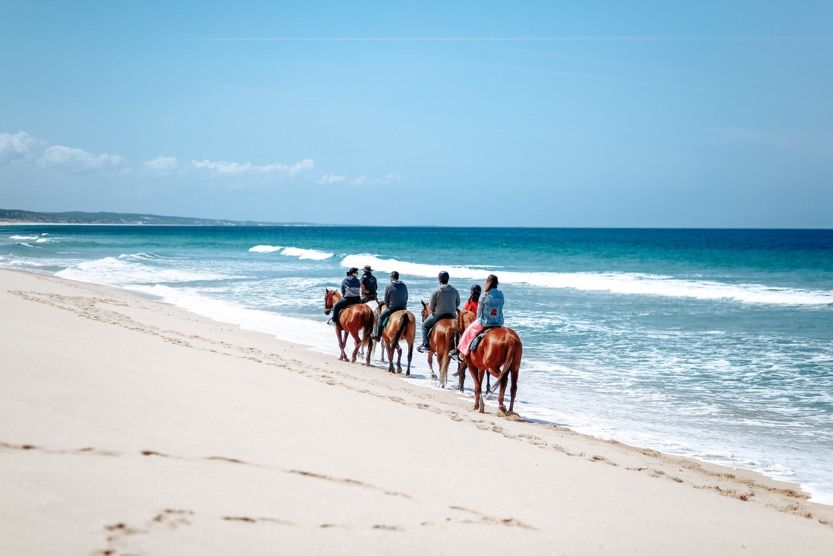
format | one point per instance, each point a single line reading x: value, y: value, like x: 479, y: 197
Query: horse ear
x: 422, y: 301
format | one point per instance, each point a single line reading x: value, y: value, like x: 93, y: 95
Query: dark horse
x: 499, y: 354
x: 442, y: 340
x: 401, y: 325
x: 351, y: 320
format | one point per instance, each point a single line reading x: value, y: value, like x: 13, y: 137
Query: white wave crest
x: 623, y: 283
x: 23, y: 238
x: 112, y: 271
x: 312, y: 254
x: 265, y: 248
x: 42, y: 240
x: 304, y: 254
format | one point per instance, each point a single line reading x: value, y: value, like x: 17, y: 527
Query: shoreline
x: 303, y: 330
x: 45, y: 315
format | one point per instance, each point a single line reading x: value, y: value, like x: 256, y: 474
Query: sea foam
x: 303, y: 254
x: 113, y: 271
x: 624, y: 283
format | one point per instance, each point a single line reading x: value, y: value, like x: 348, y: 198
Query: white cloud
x: 359, y: 181
x: 161, y: 164
x: 16, y: 145
x: 223, y: 167
x: 78, y: 159
x: 331, y: 179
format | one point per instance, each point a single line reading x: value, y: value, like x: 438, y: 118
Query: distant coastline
x: 26, y: 217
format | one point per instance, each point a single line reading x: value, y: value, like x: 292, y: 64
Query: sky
x: 565, y: 114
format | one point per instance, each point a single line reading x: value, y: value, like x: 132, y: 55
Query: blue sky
x: 713, y: 114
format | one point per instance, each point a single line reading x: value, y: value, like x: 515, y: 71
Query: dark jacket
x: 369, y: 283
x: 396, y: 294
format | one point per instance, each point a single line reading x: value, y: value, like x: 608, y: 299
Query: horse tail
x: 403, y: 324
x: 367, y: 328
x: 513, y: 355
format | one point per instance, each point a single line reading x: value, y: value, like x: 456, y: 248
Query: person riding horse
x: 350, y: 293
x: 368, y: 285
x: 396, y: 299
x: 489, y: 314
x: 443, y: 304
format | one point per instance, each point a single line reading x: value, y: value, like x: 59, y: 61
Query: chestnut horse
x: 401, y: 325
x: 442, y: 340
x: 351, y: 320
x: 499, y: 354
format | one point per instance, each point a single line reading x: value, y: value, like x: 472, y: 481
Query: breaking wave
x: 623, y: 283
x: 303, y: 254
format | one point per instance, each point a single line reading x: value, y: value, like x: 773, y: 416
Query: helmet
x: 476, y: 288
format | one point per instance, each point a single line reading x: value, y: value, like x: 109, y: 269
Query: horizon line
x: 556, y: 38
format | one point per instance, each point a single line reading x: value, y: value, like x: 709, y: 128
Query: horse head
x: 331, y: 297
x: 426, y: 311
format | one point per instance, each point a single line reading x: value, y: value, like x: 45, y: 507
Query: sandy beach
x: 132, y: 427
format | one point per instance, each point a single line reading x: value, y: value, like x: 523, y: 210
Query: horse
x: 442, y: 340
x: 464, y: 319
x: 500, y: 348
x: 351, y: 320
x: 401, y: 325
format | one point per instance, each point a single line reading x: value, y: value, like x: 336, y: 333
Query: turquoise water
x: 716, y: 344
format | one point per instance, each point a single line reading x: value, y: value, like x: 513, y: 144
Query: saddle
x: 383, y: 321
x: 477, y: 339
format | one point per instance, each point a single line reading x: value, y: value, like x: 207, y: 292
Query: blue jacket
x: 351, y: 287
x: 490, y: 308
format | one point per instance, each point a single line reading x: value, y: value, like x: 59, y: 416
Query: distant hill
x: 11, y: 216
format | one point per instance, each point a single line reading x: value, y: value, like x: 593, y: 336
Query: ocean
x: 713, y: 344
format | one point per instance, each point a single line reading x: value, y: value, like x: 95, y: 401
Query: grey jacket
x: 396, y: 294
x: 444, y: 301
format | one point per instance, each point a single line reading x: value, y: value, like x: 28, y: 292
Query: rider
x: 471, y: 304
x: 350, y: 289
x: 368, y: 285
x: 444, y: 303
x: 396, y: 299
x: 489, y: 314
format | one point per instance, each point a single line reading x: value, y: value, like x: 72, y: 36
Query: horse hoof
x: 433, y: 376
x: 399, y: 370
x: 501, y: 412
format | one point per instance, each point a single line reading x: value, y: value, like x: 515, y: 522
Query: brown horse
x: 401, y: 325
x: 499, y: 354
x: 351, y: 320
x: 442, y: 340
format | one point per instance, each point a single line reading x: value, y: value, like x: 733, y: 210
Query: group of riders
x: 485, y: 303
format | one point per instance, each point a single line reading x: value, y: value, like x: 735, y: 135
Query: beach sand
x: 132, y: 427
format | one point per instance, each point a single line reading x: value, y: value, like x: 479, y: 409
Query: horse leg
x: 390, y: 358
x: 480, y: 373
x: 357, y: 343
x: 477, y: 392
x: 369, y: 351
x: 513, y: 390
x: 410, y: 356
x: 398, y: 359
x: 431, y: 363
x: 502, y: 393
x: 342, y: 356
x: 461, y: 374
x: 444, y: 368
